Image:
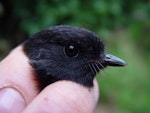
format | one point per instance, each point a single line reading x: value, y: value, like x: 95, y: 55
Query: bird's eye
x: 71, y: 50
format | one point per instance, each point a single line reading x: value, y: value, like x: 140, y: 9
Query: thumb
x: 17, y: 86
x: 11, y: 101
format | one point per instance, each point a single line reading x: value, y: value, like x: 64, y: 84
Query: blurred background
x: 124, y: 26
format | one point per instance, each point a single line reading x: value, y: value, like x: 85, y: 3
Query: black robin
x: 67, y: 53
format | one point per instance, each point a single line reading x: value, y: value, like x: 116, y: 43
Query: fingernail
x: 11, y: 101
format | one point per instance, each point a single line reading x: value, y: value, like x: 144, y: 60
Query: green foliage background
x: 124, y: 25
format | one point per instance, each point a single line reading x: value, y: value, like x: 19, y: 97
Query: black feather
x: 46, y: 52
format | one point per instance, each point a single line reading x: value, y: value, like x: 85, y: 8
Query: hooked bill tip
x: 112, y: 60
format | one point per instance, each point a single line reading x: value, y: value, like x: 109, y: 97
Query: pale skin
x: 19, y: 92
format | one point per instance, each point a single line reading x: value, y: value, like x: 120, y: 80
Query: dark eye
x: 71, y: 50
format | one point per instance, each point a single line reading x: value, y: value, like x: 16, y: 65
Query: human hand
x: 54, y: 56
x: 19, y: 92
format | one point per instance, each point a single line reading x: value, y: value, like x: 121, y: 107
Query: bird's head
x: 67, y: 53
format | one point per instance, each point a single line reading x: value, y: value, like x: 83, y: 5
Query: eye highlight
x: 71, y: 50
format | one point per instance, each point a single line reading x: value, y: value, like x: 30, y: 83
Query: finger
x: 17, y: 87
x: 65, y: 97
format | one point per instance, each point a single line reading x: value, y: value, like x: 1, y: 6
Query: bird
x: 65, y: 52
